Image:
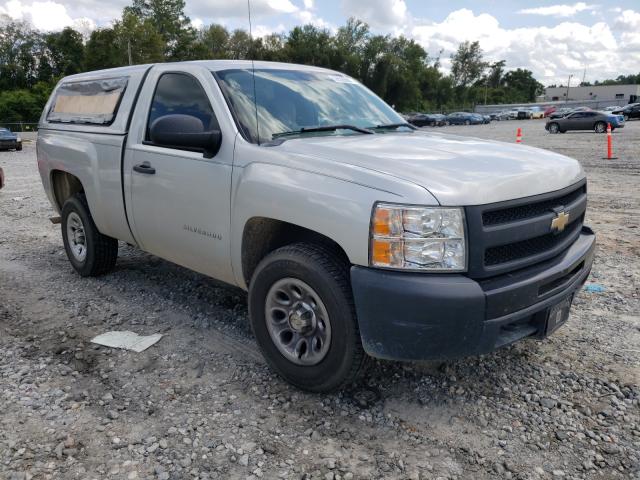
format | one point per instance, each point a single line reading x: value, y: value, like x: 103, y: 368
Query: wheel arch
x: 64, y: 185
x: 263, y: 235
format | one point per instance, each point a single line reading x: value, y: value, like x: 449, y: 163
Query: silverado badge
x: 560, y: 222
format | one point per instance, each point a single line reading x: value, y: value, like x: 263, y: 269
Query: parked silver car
x: 353, y: 232
x: 585, y: 120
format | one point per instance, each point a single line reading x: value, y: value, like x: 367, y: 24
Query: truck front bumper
x: 422, y: 316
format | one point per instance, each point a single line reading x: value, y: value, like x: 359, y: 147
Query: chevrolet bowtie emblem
x: 560, y: 221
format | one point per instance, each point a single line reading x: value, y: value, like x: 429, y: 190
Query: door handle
x: 144, y: 167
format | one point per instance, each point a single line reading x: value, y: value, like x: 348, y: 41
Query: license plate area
x: 557, y: 315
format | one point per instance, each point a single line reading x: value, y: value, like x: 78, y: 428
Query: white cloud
x: 47, y: 15
x: 197, y: 23
x: 384, y: 14
x: 558, y: 10
x: 628, y: 22
x: 552, y: 53
x: 228, y: 9
x: 308, y: 4
x: 309, y: 17
x: 260, y: 31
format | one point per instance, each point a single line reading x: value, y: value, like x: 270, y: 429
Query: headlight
x: 418, y: 238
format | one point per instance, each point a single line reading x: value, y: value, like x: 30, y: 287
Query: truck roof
x: 121, y: 85
x: 213, y: 65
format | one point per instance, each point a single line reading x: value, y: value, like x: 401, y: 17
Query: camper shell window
x: 94, y: 101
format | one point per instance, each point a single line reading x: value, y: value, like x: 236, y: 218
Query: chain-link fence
x: 593, y: 104
x: 20, y: 126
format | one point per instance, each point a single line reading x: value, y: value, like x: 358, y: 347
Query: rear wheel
x: 626, y: 117
x: 303, y: 317
x: 600, y: 127
x: 554, y: 128
x: 90, y: 252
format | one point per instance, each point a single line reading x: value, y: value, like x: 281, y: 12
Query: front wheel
x: 90, y: 252
x: 554, y: 128
x: 19, y: 148
x: 600, y: 127
x: 303, y: 317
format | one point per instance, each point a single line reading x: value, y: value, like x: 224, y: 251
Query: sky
x: 554, y: 40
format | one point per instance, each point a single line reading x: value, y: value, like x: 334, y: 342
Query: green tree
x: 170, y: 21
x: 214, y: 41
x: 496, y: 71
x: 350, y: 43
x: 100, y: 52
x: 20, y: 48
x: 65, y: 52
x: 139, y: 38
x: 239, y: 45
x: 309, y: 45
x: 521, y: 86
x: 467, y: 64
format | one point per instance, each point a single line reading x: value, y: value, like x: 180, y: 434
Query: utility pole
x: 486, y: 87
x: 568, y: 83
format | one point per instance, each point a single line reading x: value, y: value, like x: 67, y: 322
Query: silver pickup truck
x: 353, y: 232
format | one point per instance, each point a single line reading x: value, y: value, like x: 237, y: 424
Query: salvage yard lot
x: 202, y: 404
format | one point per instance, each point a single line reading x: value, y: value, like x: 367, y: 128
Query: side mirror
x: 187, y: 132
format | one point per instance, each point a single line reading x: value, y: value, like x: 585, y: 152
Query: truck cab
x: 353, y: 233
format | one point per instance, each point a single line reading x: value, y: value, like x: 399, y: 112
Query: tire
x: 626, y: 118
x: 320, y: 274
x: 600, y: 127
x: 19, y: 148
x: 99, y: 253
x: 554, y: 128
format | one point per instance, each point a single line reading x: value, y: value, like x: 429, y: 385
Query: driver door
x: 178, y: 200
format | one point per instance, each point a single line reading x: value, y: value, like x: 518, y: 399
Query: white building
x: 618, y: 94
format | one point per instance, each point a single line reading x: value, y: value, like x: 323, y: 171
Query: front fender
x: 333, y: 207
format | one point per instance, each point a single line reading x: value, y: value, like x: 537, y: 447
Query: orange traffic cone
x: 609, y: 144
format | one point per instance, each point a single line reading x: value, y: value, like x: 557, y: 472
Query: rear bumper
x: 8, y: 144
x: 416, y: 316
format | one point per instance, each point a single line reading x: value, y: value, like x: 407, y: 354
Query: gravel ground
x: 202, y: 404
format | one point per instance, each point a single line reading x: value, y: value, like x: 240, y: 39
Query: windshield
x: 292, y: 100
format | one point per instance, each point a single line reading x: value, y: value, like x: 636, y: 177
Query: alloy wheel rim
x: 298, y: 322
x: 76, y: 237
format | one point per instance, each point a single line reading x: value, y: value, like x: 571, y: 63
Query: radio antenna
x: 253, y: 71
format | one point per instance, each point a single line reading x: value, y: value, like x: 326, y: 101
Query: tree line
x: 397, y: 68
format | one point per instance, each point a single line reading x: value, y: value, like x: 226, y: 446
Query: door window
x: 180, y: 93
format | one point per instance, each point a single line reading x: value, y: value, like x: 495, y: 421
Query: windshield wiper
x: 324, y: 128
x: 392, y: 126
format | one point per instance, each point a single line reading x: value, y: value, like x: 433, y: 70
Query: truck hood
x: 456, y: 170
